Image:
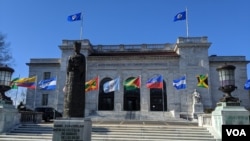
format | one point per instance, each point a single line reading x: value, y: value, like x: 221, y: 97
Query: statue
x: 74, y: 98
x: 196, y: 97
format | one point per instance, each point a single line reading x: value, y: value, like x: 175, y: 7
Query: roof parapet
x: 192, y: 39
x: 135, y: 47
x: 71, y: 42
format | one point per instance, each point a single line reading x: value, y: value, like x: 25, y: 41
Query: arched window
x: 131, y: 98
x: 106, y: 100
x: 158, y: 99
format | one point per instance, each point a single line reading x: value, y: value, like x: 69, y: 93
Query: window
x: 45, y: 98
x: 131, y: 99
x: 158, y: 99
x: 106, y: 100
x: 46, y: 75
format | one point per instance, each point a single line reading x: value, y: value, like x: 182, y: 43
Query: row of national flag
x: 133, y: 83
x: 113, y: 85
x: 154, y: 82
x: 129, y: 84
x: 31, y: 82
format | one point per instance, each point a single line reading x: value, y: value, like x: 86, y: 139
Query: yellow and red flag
x: 29, y: 82
x: 92, y: 84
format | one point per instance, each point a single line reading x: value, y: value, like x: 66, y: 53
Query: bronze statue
x: 74, y: 98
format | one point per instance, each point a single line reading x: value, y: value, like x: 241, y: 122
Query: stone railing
x: 139, y: 47
x: 192, y: 40
x: 119, y: 47
x: 205, y: 119
x: 30, y: 117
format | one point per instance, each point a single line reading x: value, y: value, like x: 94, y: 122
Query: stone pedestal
x: 9, y: 116
x: 229, y: 113
x: 72, y: 129
x: 197, y: 109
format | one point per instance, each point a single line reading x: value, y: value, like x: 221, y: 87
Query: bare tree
x: 5, y: 54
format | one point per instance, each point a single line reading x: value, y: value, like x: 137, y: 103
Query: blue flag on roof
x: 75, y: 17
x: 247, y: 85
x: 180, y: 16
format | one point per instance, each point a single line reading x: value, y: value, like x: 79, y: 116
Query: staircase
x: 118, y: 131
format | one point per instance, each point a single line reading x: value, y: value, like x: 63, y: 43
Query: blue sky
x: 35, y: 28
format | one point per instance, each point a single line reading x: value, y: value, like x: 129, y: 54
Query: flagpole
x: 57, y: 88
x: 162, y: 101
x: 35, y: 93
x: 81, y: 26
x: 17, y: 92
x: 187, y: 21
x: 97, y: 104
x: 98, y: 84
x: 208, y: 89
x: 186, y: 95
x: 57, y: 95
x: 162, y: 98
x: 140, y: 80
x: 140, y: 89
x: 16, y: 96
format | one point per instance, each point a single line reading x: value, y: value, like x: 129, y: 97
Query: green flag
x: 132, y: 83
x: 202, y: 81
x: 13, y: 83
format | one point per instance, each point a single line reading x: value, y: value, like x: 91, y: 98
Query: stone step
x: 149, y: 138
x: 118, y: 131
x: 151, y: 133
x: 25, y: 137
x: 126, y: 131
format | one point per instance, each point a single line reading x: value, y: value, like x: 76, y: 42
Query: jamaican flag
x: 202, y: 81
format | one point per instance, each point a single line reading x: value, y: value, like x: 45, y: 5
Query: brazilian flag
x: 202, y: 81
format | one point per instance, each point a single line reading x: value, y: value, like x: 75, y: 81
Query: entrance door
x: 131, y: 98
x: 131, y: 102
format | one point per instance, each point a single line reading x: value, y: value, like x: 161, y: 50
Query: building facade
x: 187, y: 57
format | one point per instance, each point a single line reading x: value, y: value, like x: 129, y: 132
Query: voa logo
x: 236, y: 132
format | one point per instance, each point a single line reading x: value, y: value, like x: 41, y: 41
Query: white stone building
x: 188, y: 56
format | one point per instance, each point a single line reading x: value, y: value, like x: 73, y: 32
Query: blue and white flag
x: 48, y: 84
x: 247, y: 85
x: 180, y: 16
x: 113, y: 85
x: 180, y: 83
x: 75, y: 17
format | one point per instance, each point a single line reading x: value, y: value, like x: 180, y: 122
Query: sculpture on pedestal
x: 74, y: 98
x: 196, y: 97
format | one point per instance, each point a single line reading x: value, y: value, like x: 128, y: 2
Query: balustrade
x: 30, y: 117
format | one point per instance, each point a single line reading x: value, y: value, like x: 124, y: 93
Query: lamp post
x: 227, y: 82
x: 5, y: 79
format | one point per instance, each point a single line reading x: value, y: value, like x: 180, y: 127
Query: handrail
x: 30, y: 117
